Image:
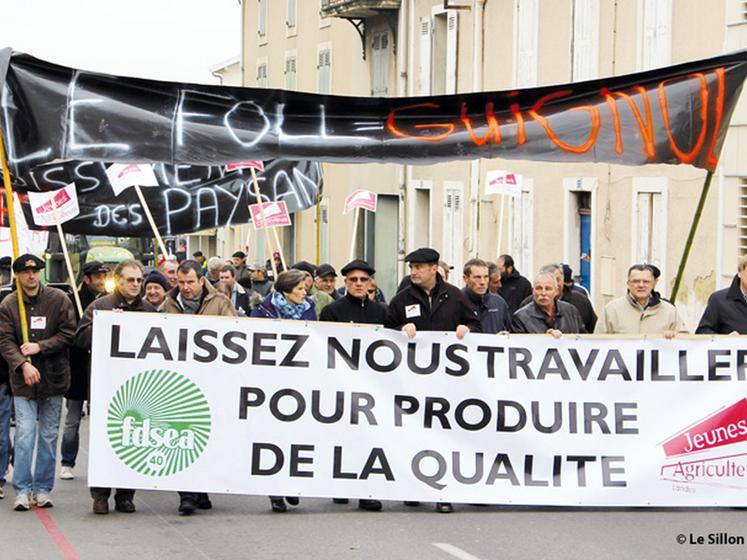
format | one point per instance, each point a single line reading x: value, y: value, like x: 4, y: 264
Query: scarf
x: 190, y: 306
x: 287, y: 310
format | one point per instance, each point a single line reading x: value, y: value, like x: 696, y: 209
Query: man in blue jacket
x: 492, y: 308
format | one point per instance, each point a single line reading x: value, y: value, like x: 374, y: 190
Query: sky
x: 175, y: 40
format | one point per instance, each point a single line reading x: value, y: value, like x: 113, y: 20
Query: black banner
x: 677, y: 114
x: 188, y: 199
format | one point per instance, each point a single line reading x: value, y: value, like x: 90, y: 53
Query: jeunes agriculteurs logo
x: 158, y: 422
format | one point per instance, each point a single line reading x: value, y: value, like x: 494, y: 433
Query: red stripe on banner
x: 62, y: 543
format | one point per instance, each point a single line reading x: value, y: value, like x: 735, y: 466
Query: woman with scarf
x: 287, y: 300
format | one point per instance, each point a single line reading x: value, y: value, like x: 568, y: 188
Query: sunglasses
x: 134, y: 280
x: 355, y: 279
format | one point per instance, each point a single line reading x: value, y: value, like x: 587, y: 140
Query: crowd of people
x: 46, y: 353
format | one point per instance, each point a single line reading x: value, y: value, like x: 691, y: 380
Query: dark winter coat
x: 531, y: 319
x: 115, y: 300
x: 514, y: 289
x: 80, y: 359
x: 444, y: 310
x: 54, y: 339
x: 493, y: 311
x: 349, y: 309
x: 726, y: 312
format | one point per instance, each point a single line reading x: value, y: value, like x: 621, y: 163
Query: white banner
x: 52, y: 207
x: 253, y: 406
x: 124, y: 175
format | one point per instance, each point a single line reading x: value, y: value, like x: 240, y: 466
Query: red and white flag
x: 500, y: 181
x: 124, y: 175
x: 361, y: 199
x: 48, y: 208
x: 276, y: 215
x: 236, y: 165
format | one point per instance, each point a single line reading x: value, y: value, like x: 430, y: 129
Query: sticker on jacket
x: 39, y: 323
x: 412, y: 310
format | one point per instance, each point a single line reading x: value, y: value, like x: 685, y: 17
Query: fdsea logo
x: 158, y: 422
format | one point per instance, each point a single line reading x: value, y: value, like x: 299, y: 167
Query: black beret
x: 357, y: 265
x: 27, y: 261
x: 306, y: 266
x: 197, y: 254
x: 423, y: 255
x: 156, y: 277
x: 239, y: 254
x: 94, y: 267
x: 325, y: 270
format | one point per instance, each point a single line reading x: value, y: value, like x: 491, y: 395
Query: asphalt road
x: 240, y: 527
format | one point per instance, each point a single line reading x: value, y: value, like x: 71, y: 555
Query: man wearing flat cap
x: 356, y: 307
x: 325, y: 280
x: 431, y: 304
x: 92, y: 286
x: 39, y: 376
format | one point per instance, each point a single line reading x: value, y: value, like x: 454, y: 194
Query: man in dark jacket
x: 546, y: 313
x: 726, y: 312
x: 238, y: 260
x: 492, y: 308
x: 514, y: 287
x: 356, y: 307
x: 128, y: 277
x: 92, y: 286
x: 39, y: 376
x: 260, y: 282
x: 430, y: 304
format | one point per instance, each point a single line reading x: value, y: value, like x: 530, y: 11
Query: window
x: 424, y: 74
x: 526, y: 24
x: 324, y: 70
x: 453, y: 240
x: 323, y: 217
x: 521, y: 228
x: 291, y: 19
x: 743, y: 216
x: 585, y: 40
x: 290, y: 72
x: 380, y: 63
x: 262, y: 75
x: 443, y: 52
x: 656, y: 34
x: 650, y: 223
x: 262, y: 18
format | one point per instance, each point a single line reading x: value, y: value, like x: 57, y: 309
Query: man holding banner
x: 128, y: 276
x: 431, y: 304
x: 39, y: 376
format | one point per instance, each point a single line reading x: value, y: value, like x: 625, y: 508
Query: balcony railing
x: 359, y: 9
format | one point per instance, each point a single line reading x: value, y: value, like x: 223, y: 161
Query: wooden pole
x: 356, y: 219
x: 14, y: 239
x: 691, y: 236
x: 65, y: 253
x: 318, y: 229
x: 152, y: 222
x: 264, y: 223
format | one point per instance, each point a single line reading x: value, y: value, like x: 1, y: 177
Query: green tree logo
x: 158, y: 422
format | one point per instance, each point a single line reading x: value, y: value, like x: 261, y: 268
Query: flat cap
x: 423, y: 255
x: 257, y: 266
x: 306, y: 266
x: 27, y: 261
x: 94, y: 267
x: 197, y: 254
x: 325, y: 269
x: 357, y: 265
x: 239, y: 254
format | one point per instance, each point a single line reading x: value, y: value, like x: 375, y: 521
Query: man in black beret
x: 356, y: 307
x: 92, y: 286
x: 39, y: 376
x: 431, y: 304
x: 325, y: 280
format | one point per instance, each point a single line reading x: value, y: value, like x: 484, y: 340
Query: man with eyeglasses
x: 39, y: 375
x: 128, y: 277
x: 356, y: 307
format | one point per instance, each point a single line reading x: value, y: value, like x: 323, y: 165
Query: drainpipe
x: 404, y: 173
x: 478, y: 12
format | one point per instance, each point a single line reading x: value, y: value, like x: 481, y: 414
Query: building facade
x: 600, y: 218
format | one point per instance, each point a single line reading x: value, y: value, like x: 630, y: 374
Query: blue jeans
x: 71, y: 432
x: 49, y: 411
x: 6, y: 409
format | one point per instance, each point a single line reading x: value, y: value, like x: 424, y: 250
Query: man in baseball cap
x: 325, y: 280
x: 27, y: 261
